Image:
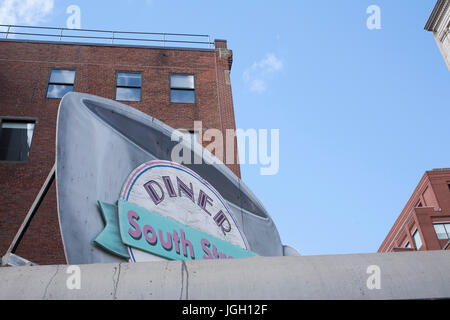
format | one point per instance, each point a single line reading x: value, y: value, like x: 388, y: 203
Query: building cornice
x: 437, y: 15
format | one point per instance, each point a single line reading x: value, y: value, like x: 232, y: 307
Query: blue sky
x: 362, y: 113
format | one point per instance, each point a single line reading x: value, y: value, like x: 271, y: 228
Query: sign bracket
x: 9, y: 257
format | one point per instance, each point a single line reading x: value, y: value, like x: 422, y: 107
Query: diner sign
x: 167, y: 211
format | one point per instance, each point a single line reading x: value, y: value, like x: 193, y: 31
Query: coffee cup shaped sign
x: 167, y: 211
x: 99, y: 143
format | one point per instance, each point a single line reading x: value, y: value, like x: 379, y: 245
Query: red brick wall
x: 433, y: 193
x: 24, y: 74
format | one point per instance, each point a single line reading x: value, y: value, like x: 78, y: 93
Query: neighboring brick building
x: 424, y: 223
x: 27, y: 80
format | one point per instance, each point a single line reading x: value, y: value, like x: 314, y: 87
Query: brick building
x: 176, y: 85
x: 424, y: 223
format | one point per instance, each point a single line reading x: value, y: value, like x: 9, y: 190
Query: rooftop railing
x: 105, y: 36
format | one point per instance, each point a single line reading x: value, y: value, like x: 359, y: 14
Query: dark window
x: 61, y: 82
x: 128, y: 87
x: 417, y: 240
x: 15, y: 139
x: 442, y: 230
x: 182, y: 88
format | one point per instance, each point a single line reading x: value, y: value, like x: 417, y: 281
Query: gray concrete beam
x: 405, y: 275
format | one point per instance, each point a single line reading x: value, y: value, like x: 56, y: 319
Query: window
x: 61, y: 82
x: 15, y: 139
x: 182, y: 88
x: 442, y: 230
x: 128, y: 87
x: 408, y: 245
x: 417, y: 239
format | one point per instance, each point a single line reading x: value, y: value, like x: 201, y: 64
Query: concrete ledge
x: 403, y: 275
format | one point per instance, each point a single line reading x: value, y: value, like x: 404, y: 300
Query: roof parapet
x: 110, y: 37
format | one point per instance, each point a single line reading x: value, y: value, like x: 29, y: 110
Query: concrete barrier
x: 405, y: 275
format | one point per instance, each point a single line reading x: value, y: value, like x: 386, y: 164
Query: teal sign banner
x: 109, y: 239
x: 130, y: 225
